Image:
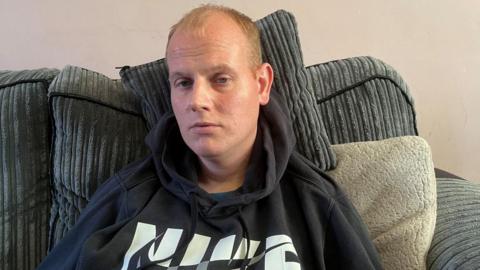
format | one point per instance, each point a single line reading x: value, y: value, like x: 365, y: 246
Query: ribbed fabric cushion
x: 98, y: 130
x: 281, y: 48
x: 150, y: 82
x: 362, y: 99
x: 24, y: 167
x: 456, y: 243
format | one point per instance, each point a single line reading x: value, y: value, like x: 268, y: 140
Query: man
x: 223, y: 188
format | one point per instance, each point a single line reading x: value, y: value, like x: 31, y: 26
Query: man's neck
x: 228, y: 175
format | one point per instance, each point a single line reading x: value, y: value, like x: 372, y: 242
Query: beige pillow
x: 392, y: 184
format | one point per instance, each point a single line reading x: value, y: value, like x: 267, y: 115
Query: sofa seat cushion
x: 281, y: 48
x: 98, y: 129
x: 392, y: 184
x: 24, y: 167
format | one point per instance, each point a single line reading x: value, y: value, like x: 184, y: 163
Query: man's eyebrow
x: 214, y: 69
x: 177, y: 74
x: 221, y: 67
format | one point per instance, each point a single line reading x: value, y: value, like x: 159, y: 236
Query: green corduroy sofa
x: 64, y: 132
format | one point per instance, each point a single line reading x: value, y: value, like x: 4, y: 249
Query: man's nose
x: 201, y: 96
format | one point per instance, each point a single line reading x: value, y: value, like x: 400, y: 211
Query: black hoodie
x: 153, y: 215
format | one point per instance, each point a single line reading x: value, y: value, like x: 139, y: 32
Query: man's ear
x: 264, y: 80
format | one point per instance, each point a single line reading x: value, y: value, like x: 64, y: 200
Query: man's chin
x: 207, y: 152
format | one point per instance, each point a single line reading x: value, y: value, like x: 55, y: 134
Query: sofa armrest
x: 24, y: 167
x: 456, y: 241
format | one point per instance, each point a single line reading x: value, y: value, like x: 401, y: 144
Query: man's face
x: 215, y: 90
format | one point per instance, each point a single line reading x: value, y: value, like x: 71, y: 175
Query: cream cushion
x: 392, y: 184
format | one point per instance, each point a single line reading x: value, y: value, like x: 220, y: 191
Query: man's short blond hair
x: 195, y: 19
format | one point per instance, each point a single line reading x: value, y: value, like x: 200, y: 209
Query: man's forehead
x: 181, y: 71
x: 191, y: 46
x: 208, y: 53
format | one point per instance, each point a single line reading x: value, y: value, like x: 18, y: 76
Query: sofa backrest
x: 362, y: 99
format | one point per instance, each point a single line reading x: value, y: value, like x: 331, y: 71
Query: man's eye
x: 183, y: 83
x: 222, y: 80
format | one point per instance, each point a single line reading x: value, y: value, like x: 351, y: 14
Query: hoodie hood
x: 177, y: 166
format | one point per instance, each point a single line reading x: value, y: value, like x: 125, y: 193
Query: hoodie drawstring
x: 246, y: 235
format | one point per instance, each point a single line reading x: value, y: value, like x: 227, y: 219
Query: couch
x: 64, y: 132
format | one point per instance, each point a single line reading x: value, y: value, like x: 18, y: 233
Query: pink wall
x: 435, y: 45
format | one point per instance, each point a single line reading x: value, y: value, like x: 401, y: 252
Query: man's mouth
x: 203, y: 124
x: 204, y: 127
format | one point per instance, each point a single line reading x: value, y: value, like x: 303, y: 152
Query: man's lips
x: 203, y: 127
x: 203, y: 124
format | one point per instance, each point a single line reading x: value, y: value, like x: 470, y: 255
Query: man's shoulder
x: 306, y: 176
x: 137, y: 173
